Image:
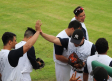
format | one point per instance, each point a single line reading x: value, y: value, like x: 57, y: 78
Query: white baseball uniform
x: 102, y: 58
x: 84, y: 29
x: 10, y: 71
x: 83, y: 51
x: 62, y: 69
x: 26, y: 67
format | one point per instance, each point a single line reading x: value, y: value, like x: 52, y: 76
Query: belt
x: 79, y: 71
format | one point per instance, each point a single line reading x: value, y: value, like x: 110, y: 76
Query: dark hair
x: 7, y: 36
x: 101, y: 45
x: 77, y: 12
x: 29, y: 32
x: 75, y: 24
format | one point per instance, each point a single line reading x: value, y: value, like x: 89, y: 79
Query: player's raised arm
x: 32, y: 40
x: 50, y: 38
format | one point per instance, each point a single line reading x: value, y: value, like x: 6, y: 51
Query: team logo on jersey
x: 76, y: 36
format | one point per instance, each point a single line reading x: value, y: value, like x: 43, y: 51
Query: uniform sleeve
x: 32, y: 58
x: 64, y: 42
x: 14, y: 56
x: 84, y: 31
x: 31, y: 54
x: 110, y: 64
x: 58, y: 49
x: 93, y: 50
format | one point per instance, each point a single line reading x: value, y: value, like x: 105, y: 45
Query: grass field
x: 17, y: 15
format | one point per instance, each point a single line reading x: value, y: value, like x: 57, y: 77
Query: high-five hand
x: 38, y: 26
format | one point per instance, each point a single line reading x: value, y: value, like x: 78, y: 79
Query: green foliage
x: 55, y: 15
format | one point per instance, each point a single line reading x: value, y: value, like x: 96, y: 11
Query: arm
x: 14, y: 55
x: 110, y: 64
x: 59, y: 51
x: 51, y: 38
x: 32, y: 58
x: 93, y: 50
x: 85, y: 73
x: 61, y: 58
x: 0, y: 77
x: 32, y: 40
x: 84, y: 31
x: 85, y: 76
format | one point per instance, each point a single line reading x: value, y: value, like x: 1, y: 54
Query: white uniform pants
x: 26, y: 77
x: 62, y: 72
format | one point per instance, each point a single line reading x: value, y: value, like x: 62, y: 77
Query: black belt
x: 74, y: 69
x: 79, y: 71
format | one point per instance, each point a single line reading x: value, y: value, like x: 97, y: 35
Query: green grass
x: 55, y: 15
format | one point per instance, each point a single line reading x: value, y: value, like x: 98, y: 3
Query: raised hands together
x: 38, y: 26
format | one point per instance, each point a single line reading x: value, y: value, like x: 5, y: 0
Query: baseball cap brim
x: 75, y: 41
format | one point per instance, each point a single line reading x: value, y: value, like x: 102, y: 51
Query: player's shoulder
x: 18, y: 45
x: 91, y: 57
x: 108, y: 57
x: 62, y: 34
x: 88, y: 42
x: 63, y: 31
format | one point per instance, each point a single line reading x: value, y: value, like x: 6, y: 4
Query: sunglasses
x: 79, y: 9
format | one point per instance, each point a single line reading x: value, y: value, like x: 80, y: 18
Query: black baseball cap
x: 100, y: 74
x: 77, y: 36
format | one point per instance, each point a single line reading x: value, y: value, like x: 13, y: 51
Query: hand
x: 73, y: 78
x: 38, y: 26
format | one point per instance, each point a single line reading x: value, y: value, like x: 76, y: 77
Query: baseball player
x: 80, y: 16
x: 9, y: 68
x: 76, y: 44
x: 28, y: 60
x: 62, y: 69
x: 102, y: 57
